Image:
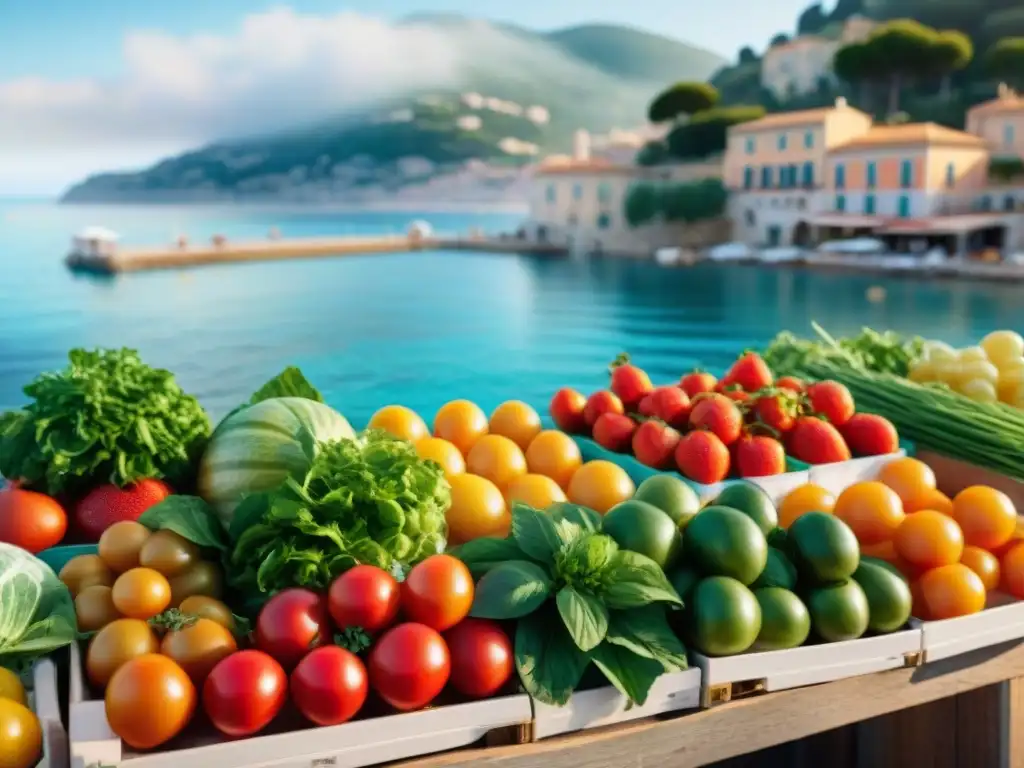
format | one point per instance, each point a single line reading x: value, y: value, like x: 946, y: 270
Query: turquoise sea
x: 422, y: 328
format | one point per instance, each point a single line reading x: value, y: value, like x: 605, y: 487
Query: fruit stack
x: 990, y: 372
x: 743, y: 425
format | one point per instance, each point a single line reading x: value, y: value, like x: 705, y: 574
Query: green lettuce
x: 37, y: 614
x: 366, y: 500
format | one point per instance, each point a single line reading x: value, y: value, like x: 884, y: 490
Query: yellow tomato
x: 461, y: 423
x: 141, y: 593
x: 477, y: 509
x: 11, y: 687
x: 979, y: 390
x: 554, y: 454
x: 444, y: 453
x: 1003, y: 346
x: 922, y: 372
x: 938, y: 350
x: 400, y: 421
x: 497, y: 458
x: 804, y: 499
x: 535, y: 491
x: 21, y: 738
x: 948, y: 371
x: 979, y: 369
x: 517, y: 421
x: 972, y: 355
x: 600, y: 485
x: 208, y: 608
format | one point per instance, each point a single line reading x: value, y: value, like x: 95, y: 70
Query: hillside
x: 519, y: 95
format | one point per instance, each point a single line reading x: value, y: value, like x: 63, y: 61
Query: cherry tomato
x: 409, y: 666
x: 198, y: 647
x: 31, y: 520
x: 438, y: 592
x: 141, y: 593
x: 244, y: 692
x: 149, y: 701
x: 366, y: 597
x: 329, y: 685
x: 481, y: 655
x: 567, y: 410
x: 292, y: 622
x: 115, y: 645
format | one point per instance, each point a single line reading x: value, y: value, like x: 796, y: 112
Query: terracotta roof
x: 1008, y: 103
x: 583, y: 167
x: 790, y: 119
x: 912, y: 134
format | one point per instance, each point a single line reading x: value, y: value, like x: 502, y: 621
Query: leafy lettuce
x: 366, y: 500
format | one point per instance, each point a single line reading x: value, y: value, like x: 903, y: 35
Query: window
x: 1008, y: 134
x: 809, y: 140
x: 840, y: 202
x: 872, y: 175
x: 1008, y: 203
x: 801, y: 203
x: 577, y: 191
x: 985, y: 203
x: 751, y: 145
x: 766, y: 177
x: 808, y: 174
x: 604, y: 221
x: 906, y: 174
x: 904, y: 207
x: 840, y: 176
x: 604, y: 192
x: 748, y: 177
x: 750, y: 217
x: 551, y: 194
x: 782, y: 141
x: 794, y: 174
x: 869, y: 205
x: 950, y: 175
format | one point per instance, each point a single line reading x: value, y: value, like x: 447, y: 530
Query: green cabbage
x: 37, y: 614
x: 366, y: 500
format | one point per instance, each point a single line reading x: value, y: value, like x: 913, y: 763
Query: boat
x: 91, y: 244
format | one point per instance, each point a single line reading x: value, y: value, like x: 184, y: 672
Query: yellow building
x: 797, y: 67
x: 1001, y: 123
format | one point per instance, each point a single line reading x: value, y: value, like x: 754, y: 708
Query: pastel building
x: 1000, y: 122
x: 798, y: 66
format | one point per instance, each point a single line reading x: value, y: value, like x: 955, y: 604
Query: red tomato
x: 438, y: 592
x: 329, y: 685
x: 481, y: 656
x: 567, y: 410
x: 31, y: 520
x: 292, y: 622
x: 244, y: 692
x: 365, y: 597
x: 409, y: 666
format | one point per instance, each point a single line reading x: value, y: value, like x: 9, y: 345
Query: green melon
x: 256, y: 448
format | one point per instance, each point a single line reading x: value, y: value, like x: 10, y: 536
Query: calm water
x: 421, y: 329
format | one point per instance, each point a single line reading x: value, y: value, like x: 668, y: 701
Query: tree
x: 682, y: 99
x: 694, y: 201
x: 812, y: 20
x: 780, y: 39
x: 706, y: 133
x: 845, y: 9
x: 642, y: 204
x: 747, y: 55
x: 652, y: 153
x: 1005, y: 61
x: 902, y: 50
x: 950, y: 52
x: 857, y: 65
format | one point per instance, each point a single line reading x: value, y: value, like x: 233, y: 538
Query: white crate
x: 606, y: 706
x: 351, y: 745
x: 45, y: 703
x: 842, y: 474
x: 1000, y: 623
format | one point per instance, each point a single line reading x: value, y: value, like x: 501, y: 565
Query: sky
x: 119, y: 84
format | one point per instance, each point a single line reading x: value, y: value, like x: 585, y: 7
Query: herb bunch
x: 578, y: 599
x: 107, y: 417
x: 870, y: 350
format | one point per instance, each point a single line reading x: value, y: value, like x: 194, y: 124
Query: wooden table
x: 962, y: 712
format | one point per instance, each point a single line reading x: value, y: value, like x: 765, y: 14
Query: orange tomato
x: 461, y: 423
x: 444, y: 453
x: 198, y: 647
x: 438, y: 592
x: 517, y: 421
x: 116, y: 644
x: 872, y: 510
x: 909, y: 477
x: 554, y: 454
x: 983, y: 563
x: 141, y: 593
x: 1012, y: 566
x: 535, y: 491
x: 883, y: 550
x: 149, y: 701
x: 804, y: 499
x: 402, y: 422
x: 929, y: 539
x: 950, y: 591
x: 600, y: 485
x: 497, y: 458
x: 986, y: 516
x: 477, y: 509
x: 930, y: 499
x: 94, y: 608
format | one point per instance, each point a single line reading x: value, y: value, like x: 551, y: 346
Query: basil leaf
x: 632, y: 675
x: 587, y: 519
x: 584, y: 615
x: 288, y: 383
x: 510, y: 591
x: 483, y: 554
x: 188, y: 516
x: 646, y: 632
x: 632, y: 580
x: 597, y: 552
x: 568, y: 532
x: 549, y: 663
x: 535, y: 533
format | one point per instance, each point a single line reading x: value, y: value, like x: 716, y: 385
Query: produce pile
x: 961, y: 404
x: 743, y: 425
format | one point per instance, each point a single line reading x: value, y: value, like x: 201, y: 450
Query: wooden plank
x: 746, y: 726
x: 1012, y: 724
x: 979, y: 727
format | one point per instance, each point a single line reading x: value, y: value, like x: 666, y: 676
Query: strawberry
x: 669, y: 404
x: 567, y: 410
x: 109, y: 504
x: 777, y: 411
x: 630, y: 383
x: 737, y: 395
x: 598, y: 403
x: 759, y: 456
x: 614, y: 431
x: 831, y: 400
x: 696, y: 382
x: 868, y: 434
x: 816, y: 442
x: 718, y: 414
x: 750, y: 372
x: 791, y: 383
x: 702, y: 457
x: 654, y: 444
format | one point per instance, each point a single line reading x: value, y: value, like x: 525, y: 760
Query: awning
x: 943, y: 225
x: 847, y: 221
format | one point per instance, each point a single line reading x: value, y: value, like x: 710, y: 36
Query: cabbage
x: 37, y: 614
